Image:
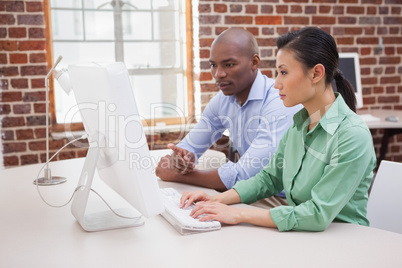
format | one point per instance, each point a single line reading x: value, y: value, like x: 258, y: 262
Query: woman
x: 324, y: 161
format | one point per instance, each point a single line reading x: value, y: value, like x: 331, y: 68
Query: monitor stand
x: 104, y: 220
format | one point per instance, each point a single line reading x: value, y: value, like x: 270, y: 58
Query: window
x: 150, y: 37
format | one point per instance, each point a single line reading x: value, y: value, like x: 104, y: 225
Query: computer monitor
x: 350, y: 67
x: 110, y: 116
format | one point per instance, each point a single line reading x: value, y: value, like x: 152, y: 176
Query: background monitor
x: 116, y: 137
x: 350, y: 67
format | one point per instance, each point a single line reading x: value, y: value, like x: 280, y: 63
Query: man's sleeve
x: 275, y: 120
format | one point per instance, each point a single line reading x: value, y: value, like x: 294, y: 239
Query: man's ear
x: 255, y: 61
x: 318, y: 73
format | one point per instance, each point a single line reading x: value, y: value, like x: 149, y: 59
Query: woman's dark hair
x: 312, y: 46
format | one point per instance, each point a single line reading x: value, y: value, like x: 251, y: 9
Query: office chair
x: 384, y: 208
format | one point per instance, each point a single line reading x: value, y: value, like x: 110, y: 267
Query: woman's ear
x: 318, y: 73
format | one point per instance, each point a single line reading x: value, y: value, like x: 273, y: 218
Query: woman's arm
x: 216, y: 208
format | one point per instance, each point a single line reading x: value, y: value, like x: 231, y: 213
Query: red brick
x: 33, y: 70
x: 390, y: 70
x: 388, y: 99
x: 205, y: 76
x: 8, y: 45
x: 19, y: 83
x: 310, y: 10
x: 355, y: 10
x: 3, y: 84
x: 392, y: 40
x: 56, y: 144
x: 66, y: 155
x: 30, y: 19
x: 34, y: 96
x: 368, y: 61
x: 240, y: 20
x: 296, y: 9
x: 3, y: 58
x: 209, y: 88
x: 390, y: 80
x: 38, y: 83
x: 345, y: 40
x: 251, y: 9
x: 299, y: 20
x: 9, y: 161
x: 37, y: 33
x: 267, y: 9
x: 367, y: 40
x: 37, y: 58
x: 268, y: 20
x: 29, y: 159
x: 40, y: 133
x: 34, y: 6
x: 220, y: 8
x: 295, y: 1
x: 6, y: 19
x: 3, y: 32
x: 82, y: 153
x: 369, y: 81
x: 17, y: 32
x: 204, y: 8
x: 38, y: 120
x: 5, y: 109
x: 383, y: 10
x: 22, y: 108
x: 282, y: 9
x: 324, y: 9
x: 7, y: 135
x: 347, y: 20
x: 322, y: 20
x: 253, y: 30
x: 390, y: 60
x: 14, y: 147
x: 12, y: 96
x: 39, y: 107
x: 206, y: 42
x: 369, y: 100
x: 18, y: 58
x: 266, y: 42
x: 208, y: 19
x: 24, y: 134
x: 32, y: 45
x: 14, y: 6
x: 371, y: 10
x: 236, y: 8
x: 365, y: 51
x: 37, y: 145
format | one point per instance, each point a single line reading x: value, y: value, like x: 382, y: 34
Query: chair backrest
x: 384, y: 208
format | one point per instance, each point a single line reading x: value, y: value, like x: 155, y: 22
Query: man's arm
x: 205, y: 178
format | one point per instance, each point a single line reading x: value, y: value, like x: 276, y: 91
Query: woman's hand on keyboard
x: 216, y: 211
x: 189, y: 198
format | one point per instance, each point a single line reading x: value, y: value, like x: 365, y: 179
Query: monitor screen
x: 350, y: 67
x: 110, y: 116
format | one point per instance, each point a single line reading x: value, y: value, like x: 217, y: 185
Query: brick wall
x: 357, y: 26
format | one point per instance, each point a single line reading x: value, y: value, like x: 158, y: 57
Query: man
x: 247, y: 105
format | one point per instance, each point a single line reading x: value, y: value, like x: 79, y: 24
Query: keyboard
x: 180, y: 218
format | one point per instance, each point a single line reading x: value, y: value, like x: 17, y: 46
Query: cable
x: 114, y: 212
x: 37, y: 177
x: 78, y: 187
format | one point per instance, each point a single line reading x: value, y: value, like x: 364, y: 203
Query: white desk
x: 390, y: 128
x: 35, y: 235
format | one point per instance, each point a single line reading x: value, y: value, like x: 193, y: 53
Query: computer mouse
x: 391, y: 118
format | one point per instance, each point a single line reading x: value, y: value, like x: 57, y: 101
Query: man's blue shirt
x: 255, y: 129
